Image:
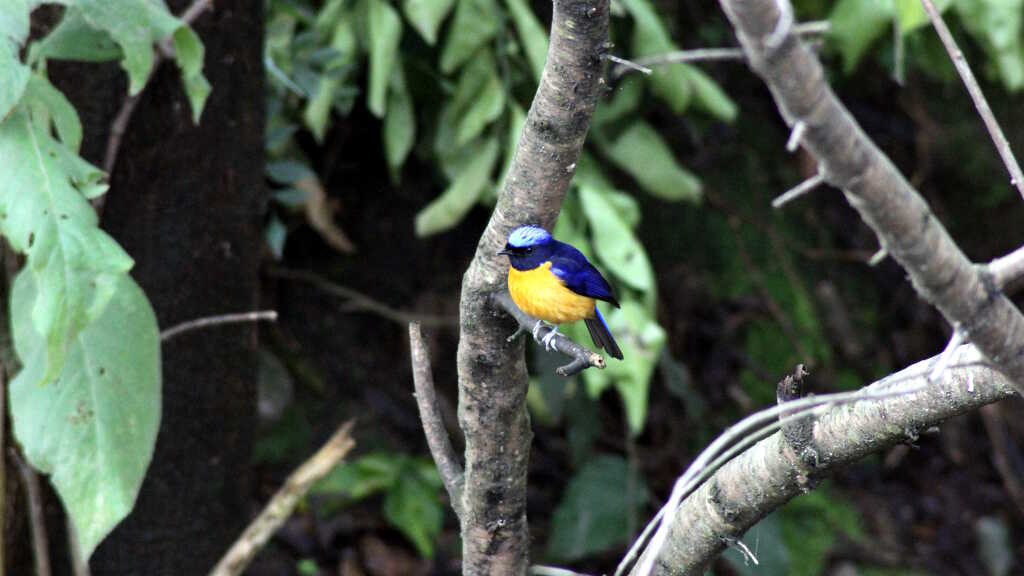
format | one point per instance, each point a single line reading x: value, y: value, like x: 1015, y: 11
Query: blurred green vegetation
x: 448, y: 83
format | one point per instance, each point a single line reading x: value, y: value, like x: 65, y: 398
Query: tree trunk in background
x: 185, y: 203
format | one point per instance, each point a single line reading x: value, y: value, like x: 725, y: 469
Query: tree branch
x: 768, y: 475
x: 492, y: 373
x: 433, y: 424
x: 582, y: 358
x: 977, y: 96
x: 218, y: 320
x: 283, y: 503
x: 965, y: 294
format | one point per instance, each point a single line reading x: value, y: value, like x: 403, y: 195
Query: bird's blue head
x: 528, y: 247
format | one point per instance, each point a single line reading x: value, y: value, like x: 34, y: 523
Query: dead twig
x: 206, y: 322
x: 37, y: 519
x: 964, y: 69
x: 284, y: 501
x: 359, y: 302
x: 582, y: 358
x: 433, y: 424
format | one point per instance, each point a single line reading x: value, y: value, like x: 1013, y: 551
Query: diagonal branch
x: 582, y: 358
x: 770, y: 474
x: 433, y: 424
x: 965, y: 294
x: 492, y: 373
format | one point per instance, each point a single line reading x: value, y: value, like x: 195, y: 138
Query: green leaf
x: 399, y: 124
x: 531, y: 34
x: 641, y: 152
x: 614, y: 242
x: 413, y: 507
x: 448, y: 209
x: 996, y: 24
x: 13, y: 77
x: 75, y: 39
x: 61, y: 112
x: 479, y: 98
x: 709, y: 96
x: 426, y: 16
x: 911, y: 14
x: 288, y: 171
x: 641, y: 340
x: 93, y: 429
x: 474, y: 25
x: 189, y: 50
x: 14, y: 20
x: 44, y: 214
x: 385, y: 34
x: 365, y: 477
x: 670, y: 83
x: 856, y: 24
x: 593, y: 515
x: 344, y: 42
x: 136, y: 25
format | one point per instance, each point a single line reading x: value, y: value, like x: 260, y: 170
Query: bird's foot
x: 536, y: 330
x: 549, y: 339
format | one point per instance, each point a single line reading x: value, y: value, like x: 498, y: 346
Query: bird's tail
x: 602, y: 336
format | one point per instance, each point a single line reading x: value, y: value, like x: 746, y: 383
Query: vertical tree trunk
x: 185, y: 203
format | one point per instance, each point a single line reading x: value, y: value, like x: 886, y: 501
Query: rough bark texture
x: 185, y: 203
x: 492, y: 372
x: 770, y: 473
x: 965, y: 294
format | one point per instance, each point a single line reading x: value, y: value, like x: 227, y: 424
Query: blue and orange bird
x: 555, y: 282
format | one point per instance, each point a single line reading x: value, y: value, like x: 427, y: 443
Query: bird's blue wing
x: 579, y: 275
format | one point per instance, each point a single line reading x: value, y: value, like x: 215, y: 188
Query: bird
x: 554, y: 282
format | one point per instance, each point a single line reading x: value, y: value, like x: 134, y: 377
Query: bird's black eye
x: 529, y: 250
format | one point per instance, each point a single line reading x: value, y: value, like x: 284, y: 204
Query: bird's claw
x: 536, y: 330
x: 515, y: 334
x: 549, y: 339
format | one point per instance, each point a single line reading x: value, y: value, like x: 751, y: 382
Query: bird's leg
x: 536, y: 330
x: 548, y: 339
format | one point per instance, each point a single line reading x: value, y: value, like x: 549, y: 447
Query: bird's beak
x: 504, y: 253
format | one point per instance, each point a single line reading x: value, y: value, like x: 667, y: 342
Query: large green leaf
x: 345, y: 45
x: 856, y: 24
x: 399, y: 124
x: 44, y: 214
x: 426, y: 16
x: 616, y: 246
x: 474, y: 25
x: 412, y: 505
x: 670, y: 83
x: 996, y: 24
x: 93, y: 429
x: 75, y: 39
x: 531, y: 33
x: 136, y: 25
x: 449, y: 208
x: 13, y: 76
x: 59, y: 110
x: 593, y: 515
x: 641, y: 340
x: 641, y: 152
x: 709, y: 96
x: 385, y: 30
x: 479, y: 98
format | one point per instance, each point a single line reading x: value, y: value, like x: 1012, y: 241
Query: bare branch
x: 361, y: 302
x: 220, y: 319
x: 964, y: 69
x: 492, y: 374
x: 36, y: 516
x: 764, y: 477
x: 798, y: 190
x: 965, y: 294
x: 582, y: 358
x: 627, y: 63
x: 283, y: 503
x: 433, y: 424
x: 794, y: 137
x: 1007, y: 270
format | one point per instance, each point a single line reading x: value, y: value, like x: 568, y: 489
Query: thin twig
x: 877, y: 257
x: 37, y: 520
x: 794, y: 137
x: 206, y: 322
x: 964, y: 69
x: 79, y: 563
x: 583, y: 358
x: 283, y: 503
x: 1008, y: 269
x: 942, y: 363
x: 538, y: 570
x: 798, y: 190
x: 627, y: 63
x: 433, y: 424
x: 361, y: 302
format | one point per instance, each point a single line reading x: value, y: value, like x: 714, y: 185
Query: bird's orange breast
x: 541, y: 294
